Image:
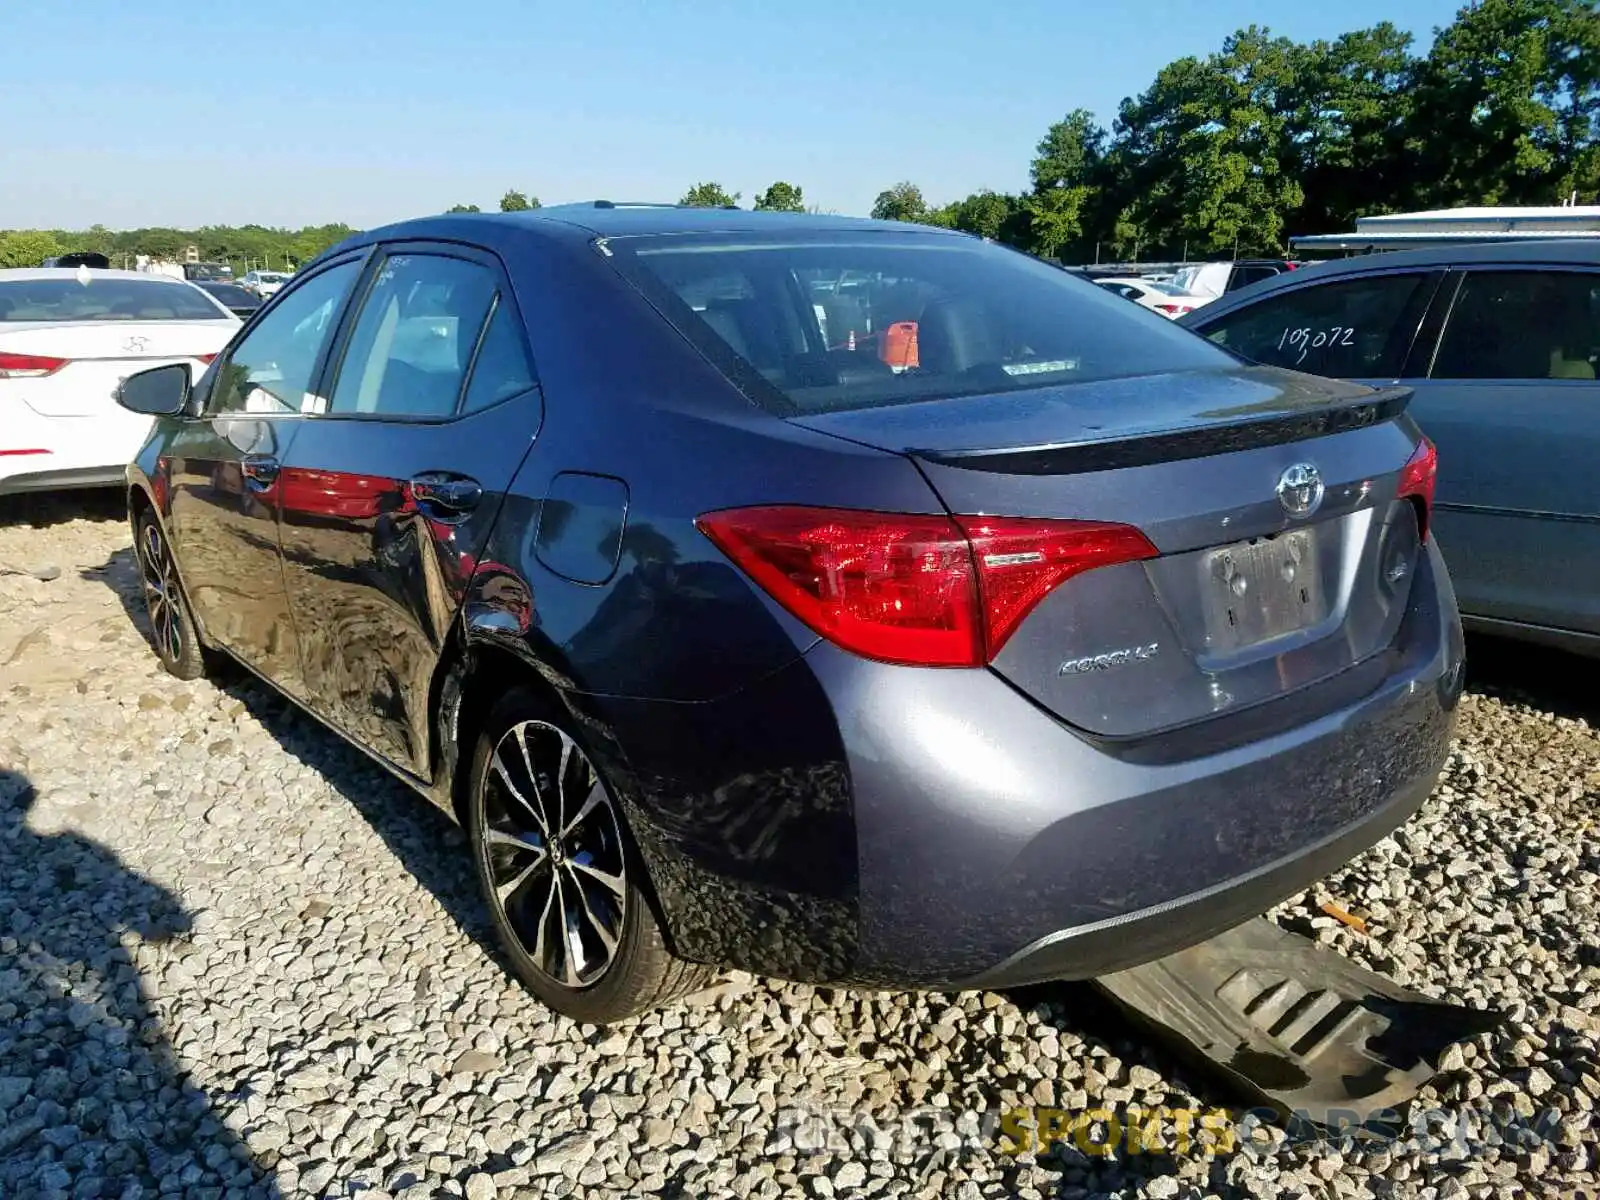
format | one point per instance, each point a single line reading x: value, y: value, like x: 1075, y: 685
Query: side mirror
x: 158, y: 392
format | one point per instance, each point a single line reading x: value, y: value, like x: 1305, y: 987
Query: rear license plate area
x: 1260, y: 590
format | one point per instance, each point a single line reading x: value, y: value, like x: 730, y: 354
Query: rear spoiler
x: 1158, y: 446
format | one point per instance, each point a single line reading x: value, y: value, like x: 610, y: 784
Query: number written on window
x: 1307, y: 339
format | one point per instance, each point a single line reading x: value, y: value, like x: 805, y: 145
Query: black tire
x: 172, y: 630
x: 612, y: 962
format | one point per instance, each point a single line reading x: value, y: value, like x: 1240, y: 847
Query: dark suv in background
x: 1501, y: 344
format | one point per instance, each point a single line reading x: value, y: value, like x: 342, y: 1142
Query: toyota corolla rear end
x: 1170, y: 642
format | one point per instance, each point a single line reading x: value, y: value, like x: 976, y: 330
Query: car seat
x: 954, y: 335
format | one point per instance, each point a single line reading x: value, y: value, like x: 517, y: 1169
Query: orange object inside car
x: 897, y: 345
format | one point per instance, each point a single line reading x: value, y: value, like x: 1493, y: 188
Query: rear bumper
x: 79, y: 451
x: 998, y: 848
x: 849, y: 821
x: 62, y: 479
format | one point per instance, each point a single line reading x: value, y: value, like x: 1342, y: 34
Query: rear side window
x: 270, y: 370
x: 105, y: 299
x: 861, y: 319
x: 1354, y: 329
x: 411, y: 346
x: 501, y: 368
x: 1245, y: 276
x: 1523, y: 325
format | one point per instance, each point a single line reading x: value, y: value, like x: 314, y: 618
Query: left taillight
x: 917, y: 589
x: 1176, y: 310
x: 208, y: 359
x: 1417, y: 480
x: 29, y: 366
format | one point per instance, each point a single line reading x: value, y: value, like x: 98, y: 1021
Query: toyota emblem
x: 136, y: 345
x: 1300, y: 490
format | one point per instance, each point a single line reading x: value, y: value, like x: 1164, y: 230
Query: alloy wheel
x: 554, y: 851
x: 161, y: 592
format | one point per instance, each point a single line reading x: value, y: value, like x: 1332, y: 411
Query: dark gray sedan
x: 845, y: 601
x: 1501, y: 342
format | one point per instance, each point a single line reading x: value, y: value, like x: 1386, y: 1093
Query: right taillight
x: 1417, y: 478
x: 917, y: 589
x: 28, y: 366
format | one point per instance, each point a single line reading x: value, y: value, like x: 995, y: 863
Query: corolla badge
x: 1111, y: 658
x: 1300, y: 489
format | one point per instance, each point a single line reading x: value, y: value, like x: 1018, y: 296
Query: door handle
x: 260, y: 471
x: 447, y: 496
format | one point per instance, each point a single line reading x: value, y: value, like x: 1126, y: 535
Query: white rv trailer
x: 1411, y: 231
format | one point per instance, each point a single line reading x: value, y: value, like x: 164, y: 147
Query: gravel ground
x: 236, y: 959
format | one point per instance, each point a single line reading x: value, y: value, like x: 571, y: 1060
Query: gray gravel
x: 235, y: 959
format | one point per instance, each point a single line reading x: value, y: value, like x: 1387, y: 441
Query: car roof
x: 1535, y: 250
x: 1541, y: 250
x: 609, y: 219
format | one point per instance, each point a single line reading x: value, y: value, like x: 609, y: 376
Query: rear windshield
x: 103, y: 299
x: 857, y: 320
x: 233, y: 296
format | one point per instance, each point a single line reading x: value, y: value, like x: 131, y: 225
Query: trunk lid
x: 1248, y: 598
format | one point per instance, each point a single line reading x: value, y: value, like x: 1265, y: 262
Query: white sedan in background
x: 67, y: 340
x: 263, y: 283
x: 1167, y: 299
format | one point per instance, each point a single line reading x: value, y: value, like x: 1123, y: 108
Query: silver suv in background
x: 264, y: 283
x: 1501, y: 343
x: 1218, y: 278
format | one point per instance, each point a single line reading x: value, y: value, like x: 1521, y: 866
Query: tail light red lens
x: 28, y: 366
x: 208, y: 359
x: 1022, y: 560
x: 909, y: 588
x: 1176, y: 310
x: 1417, y: 478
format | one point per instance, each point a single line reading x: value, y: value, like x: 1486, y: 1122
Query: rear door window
x: 501, y: 368
x: 1245, y: 276
x: 1523, y: 325
x: 414, y: 339
x: 270, y: 370
x: 1352, y: 329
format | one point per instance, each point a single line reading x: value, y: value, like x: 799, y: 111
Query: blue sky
x: 293, y: 112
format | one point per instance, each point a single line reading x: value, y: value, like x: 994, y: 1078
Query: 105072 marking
x: 1308, y: 339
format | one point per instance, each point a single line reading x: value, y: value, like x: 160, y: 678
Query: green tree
x: 709, y: 195
x: 781, y: 197
x: 1204, y: 149
x: 985, y: 213
x: 515, y: 201
x: 463, y: 208
x: 902, y: 202
x: 1506, y: 106
x: 1067, y: 173
x: 27, y: 247
x: 1069, y: 154
x: 1347, y: 110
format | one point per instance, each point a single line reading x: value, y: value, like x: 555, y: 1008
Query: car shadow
x: 90, y: 1087
x: 1080, y: 1010
x: 43, y: 510
x: 1555, y: 681
x: 430, y: 846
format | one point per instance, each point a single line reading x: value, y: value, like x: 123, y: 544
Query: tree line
x: 242, y: 247
x: 1228, y: 153
x: 1233, y: 152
